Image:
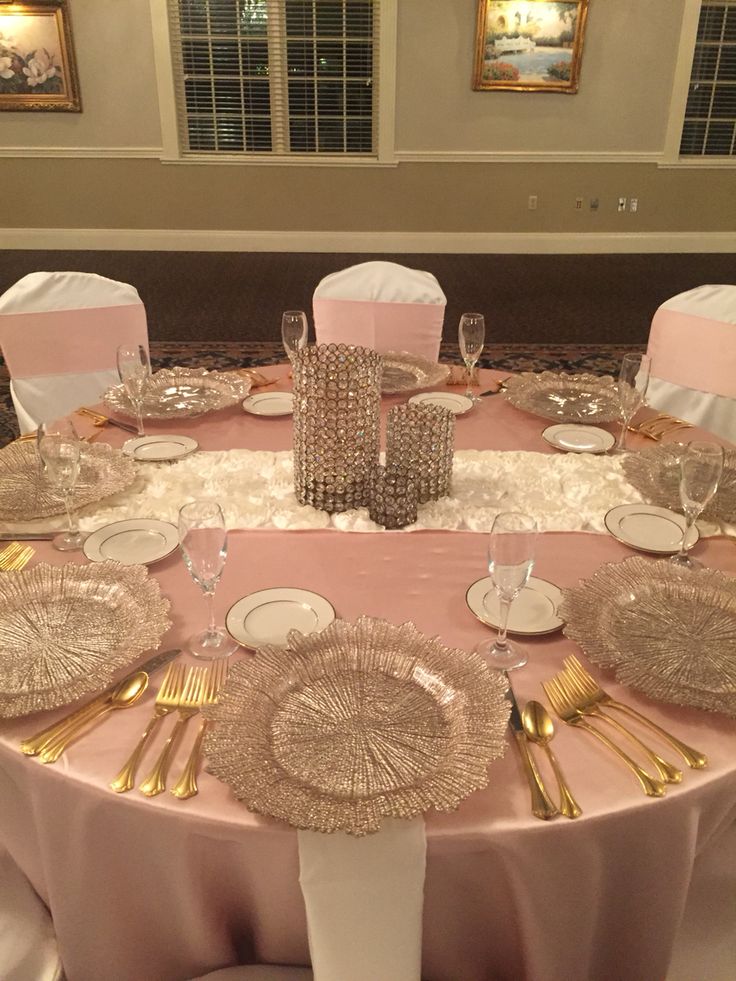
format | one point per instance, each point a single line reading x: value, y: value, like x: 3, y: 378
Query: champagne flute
x: 633, y: 381
x: 471, y: 335
x: 511, y: 549
x: 59, y: 450
x: 134, y: 369
x: 294, y: 332
x: 701, y: 466
x: 203, y: 544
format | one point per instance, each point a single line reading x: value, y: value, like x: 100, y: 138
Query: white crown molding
x: 102, y: 152
x: 209, y: 240
x: 528, y: 156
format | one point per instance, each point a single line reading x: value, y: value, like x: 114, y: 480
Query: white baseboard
x: 195, y: 240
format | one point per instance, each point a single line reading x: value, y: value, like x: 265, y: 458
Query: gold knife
x: 33, y: 745
x: 542, y: 805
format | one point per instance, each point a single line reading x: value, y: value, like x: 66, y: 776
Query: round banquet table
x: 163, y: 890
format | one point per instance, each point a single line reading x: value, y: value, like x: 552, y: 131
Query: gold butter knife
x: 542, y: 805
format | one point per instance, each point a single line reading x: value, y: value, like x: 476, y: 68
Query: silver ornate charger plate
x: 25, y: 494
x: 655, y: 473
x: 183, y: 393
x: 362, y: 721
x: 564, y: 398
x: 405, y: 372
x: 666, y: 630
x: 66, y: 630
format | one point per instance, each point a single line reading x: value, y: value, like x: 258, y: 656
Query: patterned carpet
x: 599, y: 360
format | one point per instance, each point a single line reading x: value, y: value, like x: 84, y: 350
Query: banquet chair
x: 381, y: 305
x: 259, y: 972
x: 59, y: 334
x: 28, y: 949
x: 692, y: 344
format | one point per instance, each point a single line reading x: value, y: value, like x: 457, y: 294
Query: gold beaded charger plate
x: 564, y: 398
x: 405, y: 372
x: 667, y: 630
x: 26, y: 494
x: 183, y: 393
x: 66, y: 630
x: 655, y: 473
x: 362, y: 721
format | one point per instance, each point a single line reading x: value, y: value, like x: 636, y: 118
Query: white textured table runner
x: 564, y: 493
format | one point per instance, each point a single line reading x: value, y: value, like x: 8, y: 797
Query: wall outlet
x: 578, y: 204
x: 532, y: 202
x: 633, y: 204
x: 622, y: 204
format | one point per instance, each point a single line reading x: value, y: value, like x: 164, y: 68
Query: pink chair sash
x: 414, y: 327
x: 62, y: 341
x: 694, y: 352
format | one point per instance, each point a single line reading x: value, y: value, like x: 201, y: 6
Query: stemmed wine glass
x: 203, y: 544
x: 471, y: 335
x: 633, y: 381
x: 134, y: 369
x: 59, y: 451
x: 701, y: 466
x: 511, y: 549
x: 294, y: 331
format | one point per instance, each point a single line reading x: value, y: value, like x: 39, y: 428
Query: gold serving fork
x: 188, y: 705
x: 587, y: 684
x: 665, y: 771
x: 570, y: 715
x: 167, y: 700
x: 15, y: 556
x: 186, y: 785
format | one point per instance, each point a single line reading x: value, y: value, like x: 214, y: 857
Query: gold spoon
x: 126, y: 694
x: 539, y: 728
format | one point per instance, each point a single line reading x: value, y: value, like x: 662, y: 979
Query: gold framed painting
x: 529, y: 45
x: 37, y: 67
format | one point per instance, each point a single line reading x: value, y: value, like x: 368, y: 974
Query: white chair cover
x: 27, y: 942
x: 692, y: 343
x: 381, y: 305
x: 59, y: 334
x: 258, y: 972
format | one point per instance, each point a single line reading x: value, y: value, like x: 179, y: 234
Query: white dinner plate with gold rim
x: 138, y: 541
x: 533, y: 612
x: 270, y: 404
x: 649, y: 528
x: 578, y: 439
x: 266, y: 617
x: 159, y: 449
x: 456, y: 403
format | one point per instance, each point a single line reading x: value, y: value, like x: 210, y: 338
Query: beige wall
x: 622, y: 106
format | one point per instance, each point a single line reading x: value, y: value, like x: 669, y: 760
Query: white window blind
x: 709, y: 128
x: 275, y: 76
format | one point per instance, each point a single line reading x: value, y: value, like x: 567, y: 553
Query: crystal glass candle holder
x: 421, y: 438
x: 337, y: 419
x: 393, y: 500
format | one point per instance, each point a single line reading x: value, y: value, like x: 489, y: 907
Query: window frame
x: 671, y: 157
x: 173, y: 152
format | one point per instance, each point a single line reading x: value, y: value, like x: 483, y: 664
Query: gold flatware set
x: 658, y: 426
x: 100, y: 420
x: 15, y: 556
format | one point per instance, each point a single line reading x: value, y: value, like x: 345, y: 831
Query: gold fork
x: 186, y: 785
x: 188, y: 705
x: 665, y: 771
x: 693, y: 757
x: 167, y: 700
x: 570, y: 715
x: 15, y: 556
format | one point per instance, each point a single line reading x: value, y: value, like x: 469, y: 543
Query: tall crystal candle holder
x: 337, y: 419
x: 422, y: 439
x: 393, y: 501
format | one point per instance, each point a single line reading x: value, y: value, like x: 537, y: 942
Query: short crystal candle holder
x: 393, y: 500
x: 337, y: 420
x: 421, y: 438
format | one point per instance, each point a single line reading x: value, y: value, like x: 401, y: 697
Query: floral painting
x: 37, y: 69
x: 529, y: 45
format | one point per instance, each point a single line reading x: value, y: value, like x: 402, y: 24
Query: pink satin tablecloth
x: 163, y: 890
